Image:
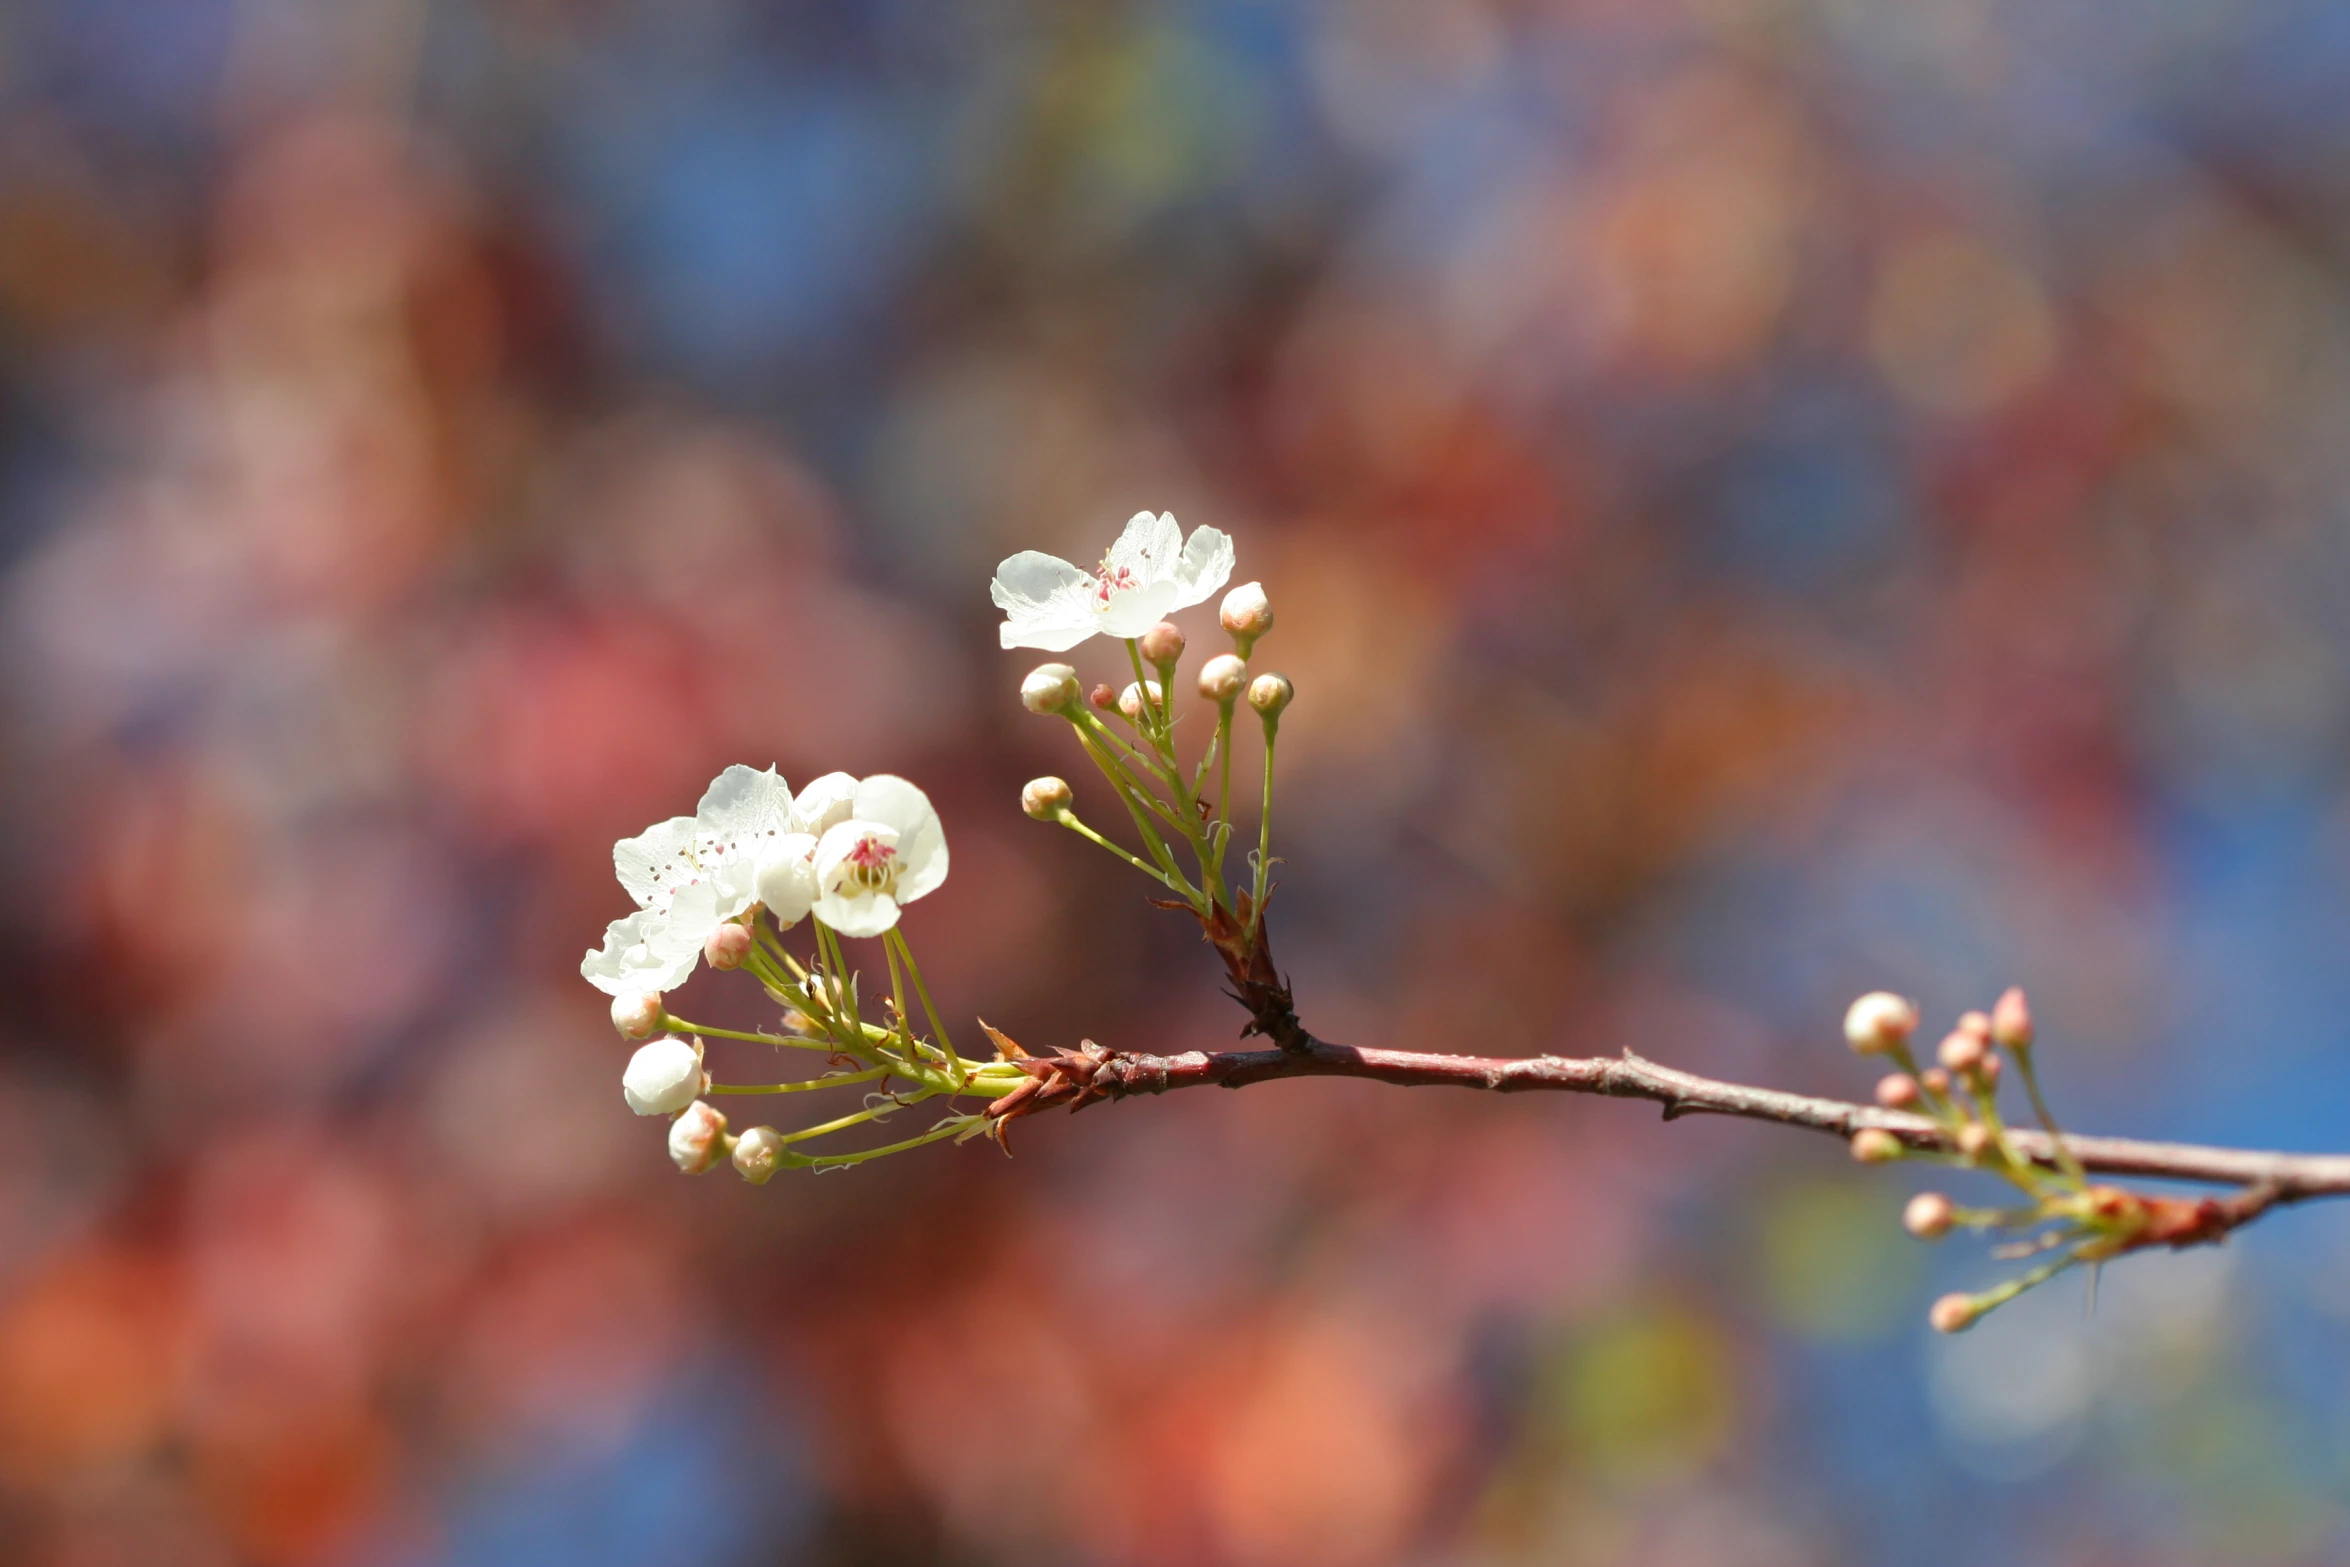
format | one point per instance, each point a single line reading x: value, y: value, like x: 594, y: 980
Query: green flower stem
x: 2064, y: 1155
x: 1223, y: 744
x: 772, y: 941
x: 1150, y: 837
x: 1069, y: 820
x: 943, y: 1130
x: 673, y: 1024
x: 854, y: 1118
x: 1999, y: 1295
x: 834, y: 1080
x: 897, y: 996
x: 1113, y: 743
x: 842, y: 997
x: 1943, y: 1108
x: 1256, y: 911
x: 2019, y: 1169
x: 896, y: 939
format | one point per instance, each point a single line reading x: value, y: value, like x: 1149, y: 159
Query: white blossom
x: 664, y: 1077
x: 1151, y: 572
x: 890, y: 851
x: 691, y: 874
x: 787, y: 878
x: 825, y: 803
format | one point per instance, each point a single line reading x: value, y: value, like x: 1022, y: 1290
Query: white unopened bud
x: 664, y: 1077
x: 1050, y: 688
x: 758, y: 1154
x: 1130, y: 700
x: 1221, y: 678
x: 636, y: 1013
x: 727, y: 946
x: 696, y: 1138
x: 1246, y: 612
x: 1929, y: 1216
x: 1045, y: 798
x: 1269, y: 694
x: 1878, y: 1022
x: 1162, y: 644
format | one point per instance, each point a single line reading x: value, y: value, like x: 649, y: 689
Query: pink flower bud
x: 1929, y: 1216
x: 1221, y: 678
x: 1103, y: 697
x: 1246, y: 612
x: 1162, y: 644
x: 1977, y: 1024
x: 697, y: 1137
x: 1897, y: 1091
x: 727, y: 946
x: 636, y: 1013
x: 1934, y: 1080
x: 2011, y: 1020
x: 1045, y: 798
x: 1878, y: 1022
x: 1875, y: 1146
x: 758, y: 1154
x: 1269, y: 694
x: 1049, y: 688
x: 1962, y: 1050
x: 1974, y: 1140
x: 1955, y: 1313
x: 1130, y: 700
x: 1988, y: 1072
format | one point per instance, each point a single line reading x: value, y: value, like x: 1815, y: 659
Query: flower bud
x: 1246, y: 612
x: 1269, y: 694
x: 636, y: 1013
x: 1875, y: 1146
x: 1049, y: 688
x: 1897, y: 1091
x: 1929, y: 1216
x: 664, y: 1077
x: 1988, y: 1071
x: 1934, y: 1080
x: 1162, y: 644
x: 1130, y: 700
x: 1955, y: 1313
x: 1103, y: 697
x: 1974, y: 1139
x: 1878, y: 1022
x: 1045, y: 798
x: 696, y: 1138
x: 2011, y: 1020
x: 758, y: 1154
x: 727, y: 946
x: 1961, y: 1050
x: 1977, y: 1024
x: 1221, y: 678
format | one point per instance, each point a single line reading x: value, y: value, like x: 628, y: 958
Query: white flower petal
x: 742, y: 803
x: 1148, y: 548
x: 1206, y: 566
x: 787, y: 879
x: 921, y: 839
x: 643, y: 862
x: 860, y: 914
x: 637, y: 955
x: 1133, y: 611
x: 825, y: 802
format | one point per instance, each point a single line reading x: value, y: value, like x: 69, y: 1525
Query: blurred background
x: 1765, y: 499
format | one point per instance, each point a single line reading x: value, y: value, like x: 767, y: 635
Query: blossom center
x: 872, y: 865
x: 1109, y: 579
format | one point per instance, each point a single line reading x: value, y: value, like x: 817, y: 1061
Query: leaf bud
x: 1130, y: 700
x: 727, y: 946
x: 1929, y: 1216
x: 1875, y: 1145
x: 697, y: 1138
x: 758, y: 1154
x: 1049, y: 688
x: 1221, y: 678
x: 1162, y: 644
x: 636, y: 1013
x: 664, y: 1077
x: 2011, y: 1020
x: 1878, y: 1022
x: 1045, y: 798
x: 1955, y: 1313
x: 1897, y: 1091
x: 1269, y: 694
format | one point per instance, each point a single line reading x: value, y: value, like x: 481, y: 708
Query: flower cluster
x: 845, y: 856
x: 1954, y: 1107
